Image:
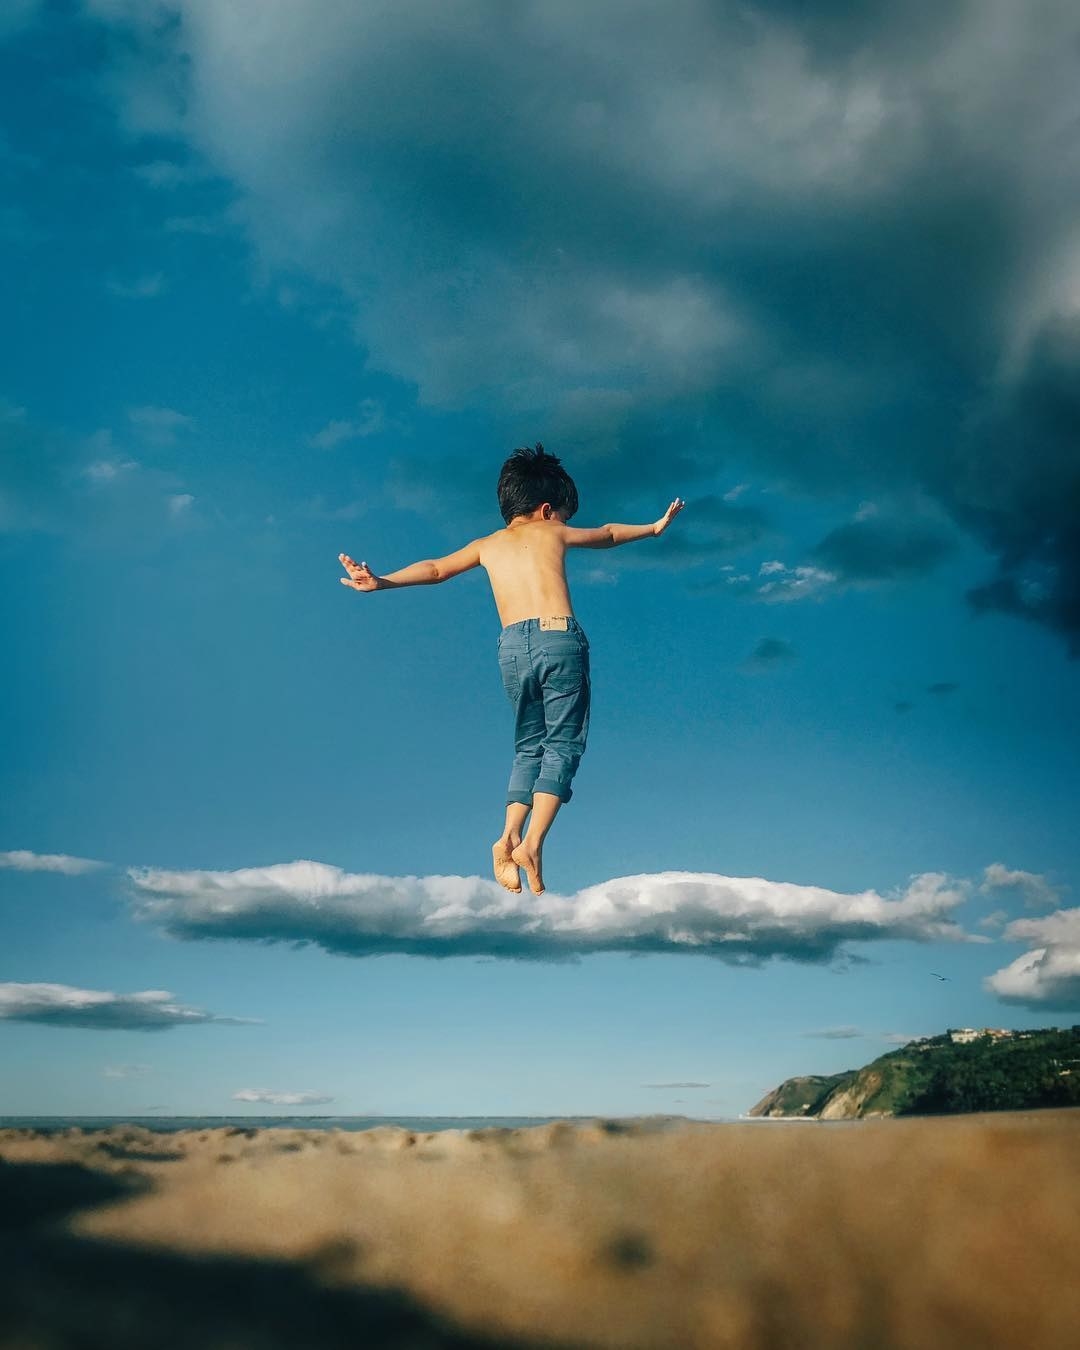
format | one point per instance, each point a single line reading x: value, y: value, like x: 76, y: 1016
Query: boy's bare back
x: 526, y: 565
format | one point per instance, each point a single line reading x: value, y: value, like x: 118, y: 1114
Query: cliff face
x: 950, y: 1073
x: 801, y: 1096
x: 879, y: 1089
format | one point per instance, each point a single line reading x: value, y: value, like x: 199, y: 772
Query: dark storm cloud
x: 709, y: 527
x: 835, y: 241
x: 877, y: 550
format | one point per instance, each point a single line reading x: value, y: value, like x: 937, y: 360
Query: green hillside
x: 958, y: 1071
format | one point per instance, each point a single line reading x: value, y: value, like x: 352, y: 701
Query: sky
x: 282, y: 281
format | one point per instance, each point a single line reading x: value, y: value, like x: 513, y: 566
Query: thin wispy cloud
x: 159, y: 426
x: 370, y: 420
x: 108, y: 470
x: 835, y: 1034
x: 739, y: 920
x: 23, y: 860
x: 676, y: 1085
x: 1033, y: 886
x: 281, y: 1098
x: 63, y: 1005
x: 125, y: 1070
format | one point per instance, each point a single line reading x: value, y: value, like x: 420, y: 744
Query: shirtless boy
x: 543, y: 650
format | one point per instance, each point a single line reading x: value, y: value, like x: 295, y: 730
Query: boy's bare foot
x: 524, y: 857
x: 506, y: 872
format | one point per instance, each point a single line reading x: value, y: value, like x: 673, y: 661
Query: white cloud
x: 107, y: 470
x: 63, y: 1005
x: 732, y: 494
x: 281, y: 1098
x: 676, y: 1085
x: 22, y: 860
x: 125, y: 1070
x: 1049, y: 975
x: 792, y: 583
x: 835, y: 1034
x: 159, y: 426
x: 741, y: 920
x: 1061, y: 927
x: 180, y: 503
x: 1034, y: 887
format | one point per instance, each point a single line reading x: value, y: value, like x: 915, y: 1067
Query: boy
x: 543, y: 651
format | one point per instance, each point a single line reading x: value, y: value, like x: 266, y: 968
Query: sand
x: 919, y: 1233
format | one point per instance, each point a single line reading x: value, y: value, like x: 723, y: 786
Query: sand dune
x: 922, y: 1233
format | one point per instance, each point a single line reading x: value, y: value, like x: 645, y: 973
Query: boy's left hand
x: 668, y: 516
x: 361, y: 577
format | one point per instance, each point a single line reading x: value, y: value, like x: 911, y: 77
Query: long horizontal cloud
x: 839, y: 237
x: 22, y: 860
x: 1048, y: 976
x: 281, y: 1098
x: 740, y: 920
x: 62, y: 1005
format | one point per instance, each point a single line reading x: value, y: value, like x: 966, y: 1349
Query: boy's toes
x: 506, y: 872
x: 532, y: 869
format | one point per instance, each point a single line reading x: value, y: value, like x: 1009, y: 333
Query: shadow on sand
x: 63, y: 1292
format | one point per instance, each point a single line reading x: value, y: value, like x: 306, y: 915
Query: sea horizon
x: 424, y: 1124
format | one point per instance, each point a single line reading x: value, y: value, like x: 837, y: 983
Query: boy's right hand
x: 668, y: 516
x: 361, y: 577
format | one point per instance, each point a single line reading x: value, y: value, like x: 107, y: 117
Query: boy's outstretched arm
x: 609, y: 536
x: 362, y: 578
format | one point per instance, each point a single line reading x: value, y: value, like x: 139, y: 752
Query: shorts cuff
x: 556, y: 789
x: 521, y: 798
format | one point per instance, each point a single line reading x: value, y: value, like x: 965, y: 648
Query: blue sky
x: 283, y: 281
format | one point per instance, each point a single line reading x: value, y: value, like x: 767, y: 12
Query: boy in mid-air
x: 543, y: 650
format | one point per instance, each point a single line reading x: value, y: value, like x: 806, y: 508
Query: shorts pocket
x: 568, y: 671
x: 511, y: 679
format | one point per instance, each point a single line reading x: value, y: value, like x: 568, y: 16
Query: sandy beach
x: 919, y: 1233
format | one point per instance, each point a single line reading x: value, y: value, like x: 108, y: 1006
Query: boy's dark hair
x: 531, y: 477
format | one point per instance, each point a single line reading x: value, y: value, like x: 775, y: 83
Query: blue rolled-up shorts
x: 545, y: 672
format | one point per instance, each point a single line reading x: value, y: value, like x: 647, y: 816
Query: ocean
x: 168, y: 1124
